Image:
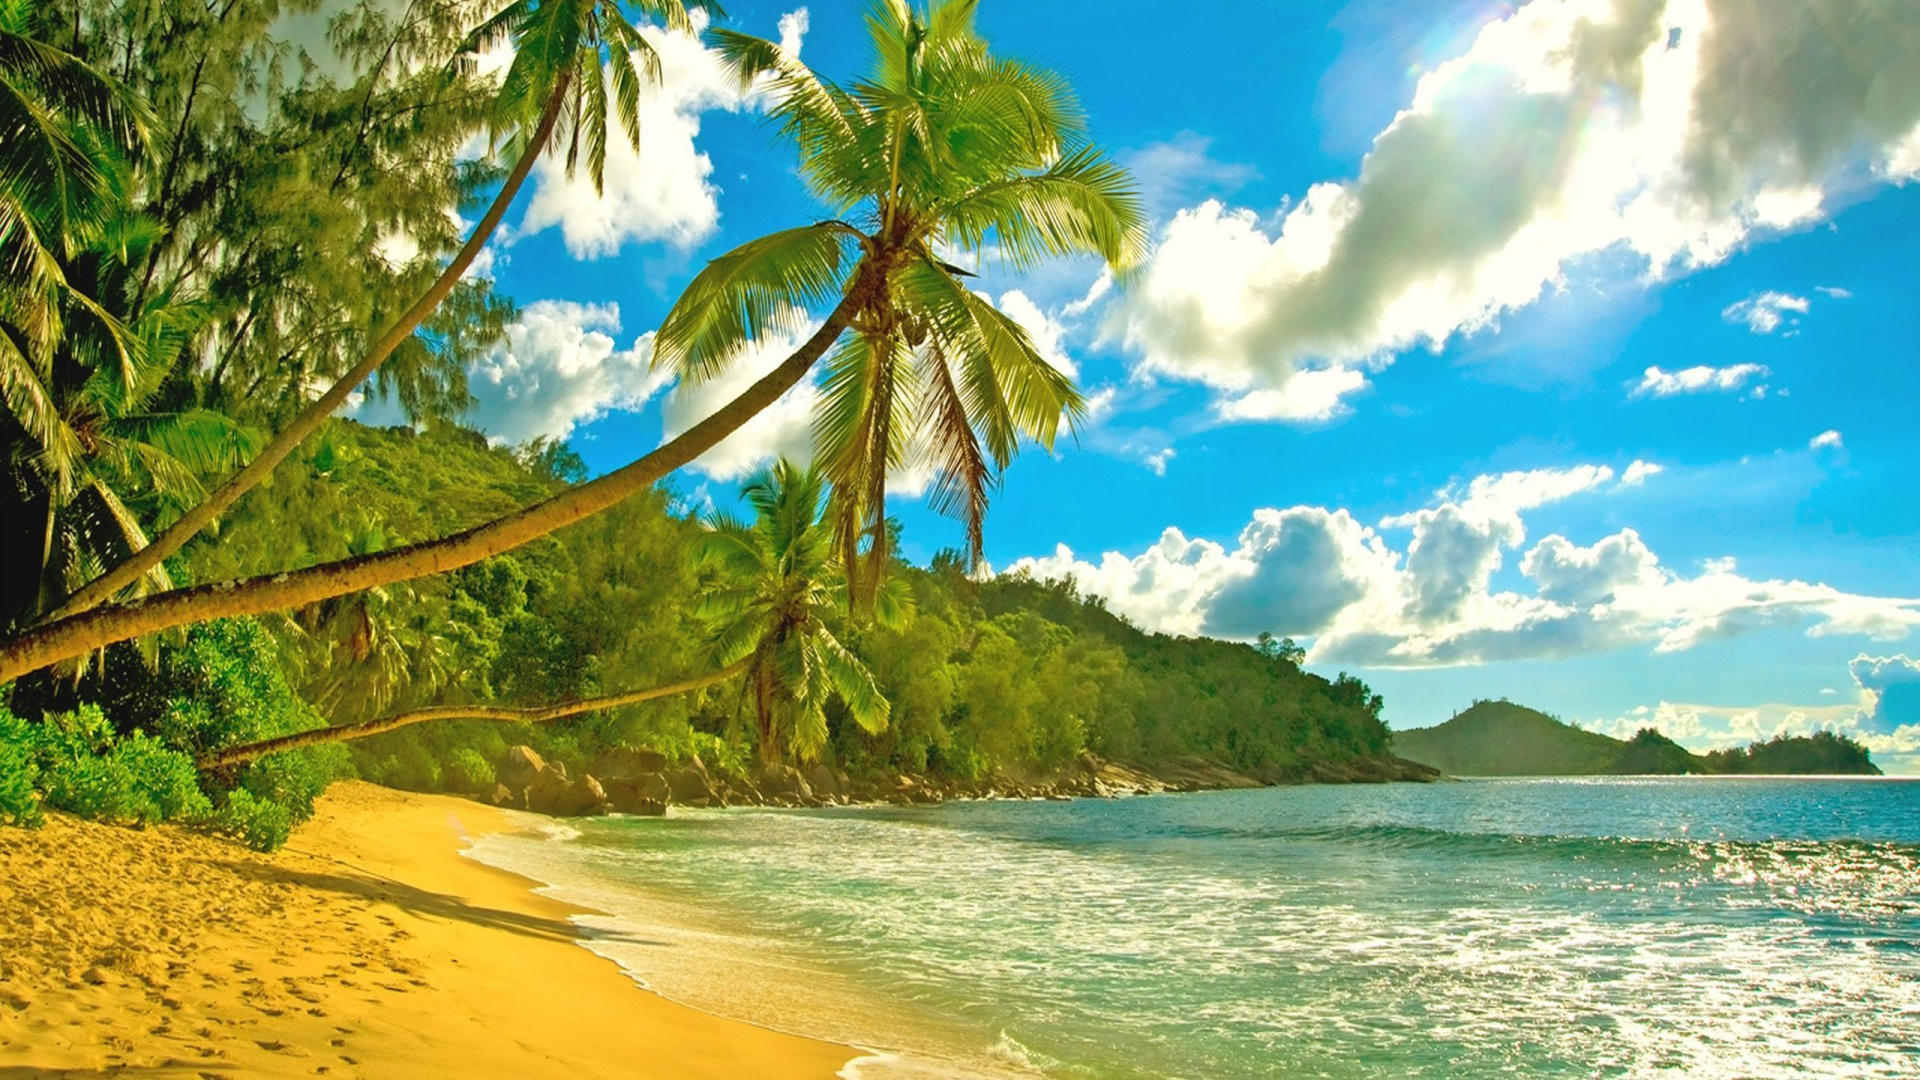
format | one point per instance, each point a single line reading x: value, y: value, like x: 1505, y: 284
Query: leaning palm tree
x: 508, y: 714
x: 570, y: 58
x: 943, y: 149
x: 770, y: 587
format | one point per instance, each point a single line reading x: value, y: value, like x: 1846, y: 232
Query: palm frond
x: 1084, y: 204
x: 763, y: 286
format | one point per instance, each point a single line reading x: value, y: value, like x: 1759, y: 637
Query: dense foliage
x: 1011, y: 675
x: 1499, y: 738
x: 126, y: 753
x: 1822, y: 753
x: 1007, y: 675
x: 208, y: 214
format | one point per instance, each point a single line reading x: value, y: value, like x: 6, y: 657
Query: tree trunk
x: 135, y: 565
x: 237, y: 755
x: 102, y: 626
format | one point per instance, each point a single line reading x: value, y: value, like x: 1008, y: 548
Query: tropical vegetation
x: 212, y: 241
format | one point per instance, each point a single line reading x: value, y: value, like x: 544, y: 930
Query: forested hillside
x: 1009, y: 677
x: 1499, y: 738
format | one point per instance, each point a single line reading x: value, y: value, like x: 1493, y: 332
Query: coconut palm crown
x: 770, y: 589
x: 944, y: 153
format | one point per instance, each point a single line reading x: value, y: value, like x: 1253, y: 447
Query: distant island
x: 1499, y: 738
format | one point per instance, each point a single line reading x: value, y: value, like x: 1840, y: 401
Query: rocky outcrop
x: 827, y: 785
x: 621, y: 782
x: 521, y: 766
x: 783, y: 785
x: 690, y: 785
x: 625, y: 761
x: 553, y: 792
x: 646, y: 794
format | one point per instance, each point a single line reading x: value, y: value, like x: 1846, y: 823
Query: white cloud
x: 1825, y: 439
x: 1833, y: 292
x: 1318, y: 394
x: 1658, y: 382
x: 1638, y: 472
x: 1884, y: 716
x: 1762, y: 313
x: 1889, y: 691
x: 1157, y: 461
x: 1096, y: 292
x: 1672, y: 131
x: 1048, y: 335
x: 1313, y: 572
x: 1178, y: 169
x: 560, y: 367
x: 662, y: 192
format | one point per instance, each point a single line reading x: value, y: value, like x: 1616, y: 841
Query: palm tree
x: 771, y: 586
x: 535, y: 714
x: 67, y: 134
x: 944, y: 147
x: 557, y: 85
x: 97, y: 457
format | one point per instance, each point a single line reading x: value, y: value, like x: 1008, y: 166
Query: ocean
x: 1708, y: 927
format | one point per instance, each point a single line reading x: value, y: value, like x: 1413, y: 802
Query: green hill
x: 1499, y: 738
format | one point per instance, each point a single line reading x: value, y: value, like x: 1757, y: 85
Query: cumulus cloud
x: 1824, y: 440
x: 560, y: 367
x: 664, y: 191
x: 1431, y: 601
x: 1658, y: 382
x: 1670, y: 131
x: 1762, y: 313
x: 1889, y: 689
x: 1884, y: 716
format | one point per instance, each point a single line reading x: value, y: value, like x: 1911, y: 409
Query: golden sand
x: 368, y: 948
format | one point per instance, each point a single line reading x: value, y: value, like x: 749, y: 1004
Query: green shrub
x: 19, y: 803
x: 468, y: 771
x: 86, y: 769
x: 261, y: 824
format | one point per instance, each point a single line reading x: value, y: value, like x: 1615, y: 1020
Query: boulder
x: 628, y: 761
x: 825, y: 784
x: 552, y: 793
x: 521, y: 766
x: 783, y: 783
x: 646, y: 794
x: 690, y: 786
x: 501, y: 795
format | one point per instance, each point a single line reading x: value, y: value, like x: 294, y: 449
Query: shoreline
x: 374, y: 945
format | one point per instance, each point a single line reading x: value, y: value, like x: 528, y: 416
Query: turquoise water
x: 1713, y: 927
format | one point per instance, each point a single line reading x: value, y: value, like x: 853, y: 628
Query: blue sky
x: 1560, y: 351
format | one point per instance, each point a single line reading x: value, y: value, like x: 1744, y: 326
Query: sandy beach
x: 368, y: 948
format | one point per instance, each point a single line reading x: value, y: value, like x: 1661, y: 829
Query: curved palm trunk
x: 137, y: 564
x: 238, y: 755
x: 102, y: 626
